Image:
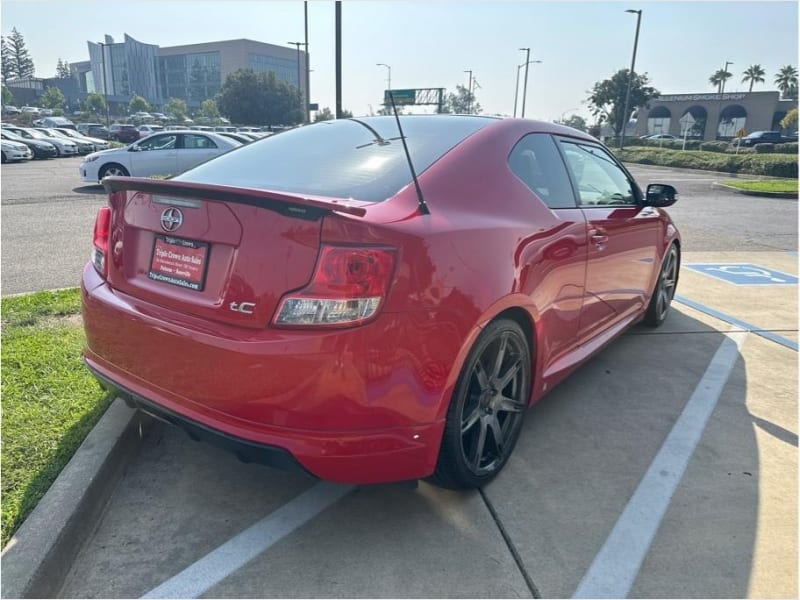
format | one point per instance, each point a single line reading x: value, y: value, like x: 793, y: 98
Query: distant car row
x: 46, y: 142
x: 757, y: 137
x: 128, y: 132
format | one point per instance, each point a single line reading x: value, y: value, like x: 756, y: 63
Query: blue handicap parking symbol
x: 744, y: 274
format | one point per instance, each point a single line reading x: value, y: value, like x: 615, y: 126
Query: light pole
x: 525, y: 85
x: 299, y: 77
x: 105, y: 85
x: 630, y: 75
x: 388, y: 80
x: 469, y: 93
x: 724, y: 72
x: 516, y: 89
x: 307, y: 110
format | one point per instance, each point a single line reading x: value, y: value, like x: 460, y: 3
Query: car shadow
x: 90, y: 189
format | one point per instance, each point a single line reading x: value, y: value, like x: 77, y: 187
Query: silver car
x: 63, y: 146
x: 96, y: 142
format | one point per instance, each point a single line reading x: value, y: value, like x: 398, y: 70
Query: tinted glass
x: 536, y: 161
x: 599, y: 179
x: 197, y: 142
x: 340, y: 158
x: 159, y: 142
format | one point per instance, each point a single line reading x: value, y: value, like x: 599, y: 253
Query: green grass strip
x: 50, y: 402
x: 783, y: 186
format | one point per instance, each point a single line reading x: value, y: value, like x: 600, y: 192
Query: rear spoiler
x: 287, y: 203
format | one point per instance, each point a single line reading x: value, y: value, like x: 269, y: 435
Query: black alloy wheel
x: 664, y: 291
x: 488, y: 406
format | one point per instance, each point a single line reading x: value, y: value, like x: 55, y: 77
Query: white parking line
x: 617, y: 565
x: 215, y: 566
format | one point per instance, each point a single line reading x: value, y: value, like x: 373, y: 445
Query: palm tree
x: 786, y: 80
x: 753, y: 74
x: 719, y: 77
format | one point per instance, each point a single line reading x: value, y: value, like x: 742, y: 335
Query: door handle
x: 598, y: 237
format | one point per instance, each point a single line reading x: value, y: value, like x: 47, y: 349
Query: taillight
x: 102, y: 226
x: 348, y: 288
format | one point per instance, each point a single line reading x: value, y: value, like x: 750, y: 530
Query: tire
x: 487, y: 407
x: 664, y: 290
x: 113, y: 169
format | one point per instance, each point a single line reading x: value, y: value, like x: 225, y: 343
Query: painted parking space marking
x: 215, y: 566
x: 743, y: 273
x: 615, y: 568
x: 765, y: 333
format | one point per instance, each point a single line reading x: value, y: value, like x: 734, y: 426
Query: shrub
x: 747, y: 161
x: 714, y: 146
x: 789, y: 148
x: 766, y: 148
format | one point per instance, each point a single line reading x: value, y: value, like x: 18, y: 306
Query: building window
x: 658, y: 120
x: 284, y: 69
x: 732, y: 119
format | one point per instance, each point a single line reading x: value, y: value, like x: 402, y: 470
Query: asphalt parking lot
x: 665, y: 467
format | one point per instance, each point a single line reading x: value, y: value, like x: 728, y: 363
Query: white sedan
x: 166, y: 153
x: 15, y: 151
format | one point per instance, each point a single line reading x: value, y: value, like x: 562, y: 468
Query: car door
x: 156, y: 155
x: 622, y: 237
x: 552, y: 257
x: 195, y: 149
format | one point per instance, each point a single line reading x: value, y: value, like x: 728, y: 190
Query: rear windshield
x: 342, y: 158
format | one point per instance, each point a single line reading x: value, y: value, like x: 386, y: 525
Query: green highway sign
x: 400, y: 96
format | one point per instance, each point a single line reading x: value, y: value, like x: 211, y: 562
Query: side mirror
x: 661, y: 194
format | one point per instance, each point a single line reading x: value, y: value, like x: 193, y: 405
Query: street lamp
x: 105, y: 85
x: 299, y: 77
x: 469, y: 93
x: 724, y: 72
x: 630, y: 75
x: 388, y: 79
x: 516, y: 88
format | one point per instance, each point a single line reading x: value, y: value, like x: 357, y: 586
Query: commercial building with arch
x: 716, y: 116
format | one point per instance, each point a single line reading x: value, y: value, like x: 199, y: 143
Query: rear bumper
x: 336, y: 404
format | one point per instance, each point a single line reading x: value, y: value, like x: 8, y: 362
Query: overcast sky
x: 431, y: 44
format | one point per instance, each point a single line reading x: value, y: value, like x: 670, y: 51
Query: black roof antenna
x: 423, y: 208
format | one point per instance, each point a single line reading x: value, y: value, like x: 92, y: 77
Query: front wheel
x: 664, y: 291
x: 486, y: 411
x: 113, y: 169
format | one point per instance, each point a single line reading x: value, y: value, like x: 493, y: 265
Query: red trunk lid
x: 223, y: 254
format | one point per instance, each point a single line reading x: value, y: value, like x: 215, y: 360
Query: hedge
x: 772, y: 165
x: 765, y: 148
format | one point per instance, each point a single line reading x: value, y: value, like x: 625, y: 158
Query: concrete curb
x: 785, y: 195
x: 39, y: 556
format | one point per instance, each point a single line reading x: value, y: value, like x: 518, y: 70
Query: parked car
x: 239, y: 137
x: 84, y: 145
x: 39, y: 148
x: 160, y: 116
x: 369, y: 328
x: 123, y: 132
x: 97, y: 143
x: 765, y: 137
x: 46, y: 112
x: 14, y: 151
x: 165, y: 153
x: 58, y: 122
x: 31, y: 110
x: 662, y: 136
x: 141, y: 117
x: 145, y: 130
x: 63, y: 147
x: 10, y: 110
x: 97, y: 130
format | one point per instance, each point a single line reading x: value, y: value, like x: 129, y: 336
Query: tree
x: 7, y: 97
x: 607, y: 98
x: 62, y: 69
x: 52, y: 98
x: 718, y: 78
x: 790, y: 120
x: 753, y: 74
x: 461, y: 102
x: 786, y: 80
x: 324, y: 115
x: 138, y: 104
x: 95, y: 103
x: 259, y: 99
x: 209, y: 110
x: 576, y: 122
x: 175, y: 108
x: 8, y: 71
x: 21, y: 63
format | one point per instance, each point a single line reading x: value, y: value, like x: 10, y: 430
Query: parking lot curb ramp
x: 37, y: 559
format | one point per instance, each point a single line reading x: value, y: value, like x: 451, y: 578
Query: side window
x: 159, y: 142
x: 599, y: 179
x: 197, y: 142
x: 536, y: 161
